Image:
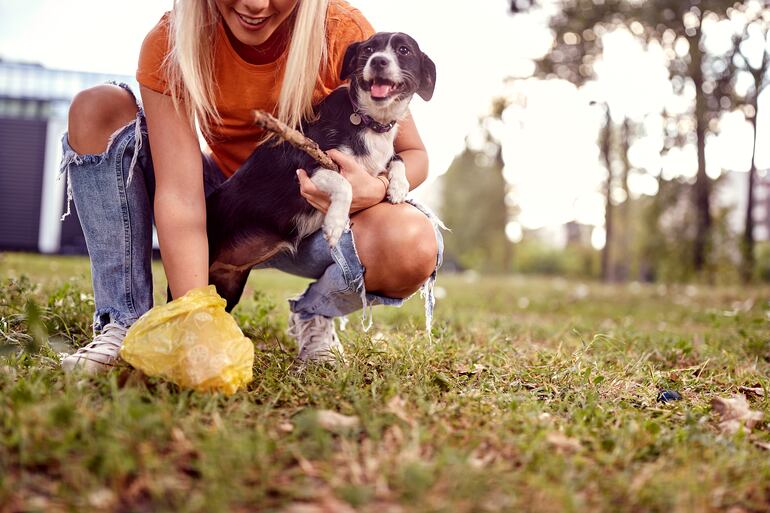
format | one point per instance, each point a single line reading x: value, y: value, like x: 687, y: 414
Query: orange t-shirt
x: 243, y: 87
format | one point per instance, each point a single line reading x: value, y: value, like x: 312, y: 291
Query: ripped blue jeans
x: 113, y: 193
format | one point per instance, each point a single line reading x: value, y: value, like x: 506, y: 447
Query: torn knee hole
x: 96, y: 115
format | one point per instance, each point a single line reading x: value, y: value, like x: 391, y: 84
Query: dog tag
x: 355, y: 119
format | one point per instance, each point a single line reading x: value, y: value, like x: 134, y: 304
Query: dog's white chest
x: 379, y: 151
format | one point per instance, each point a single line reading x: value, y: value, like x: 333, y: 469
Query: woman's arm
x: 180, y: 206
x: 411, y: 149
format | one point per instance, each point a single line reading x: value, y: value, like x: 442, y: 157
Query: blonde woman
x: 212, y: 62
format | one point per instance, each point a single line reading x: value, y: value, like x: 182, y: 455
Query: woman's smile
x: 253, y: 22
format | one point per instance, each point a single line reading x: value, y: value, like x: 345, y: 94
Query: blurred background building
x: 34, y: 102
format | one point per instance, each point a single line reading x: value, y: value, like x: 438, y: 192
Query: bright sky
x: 549, y: 147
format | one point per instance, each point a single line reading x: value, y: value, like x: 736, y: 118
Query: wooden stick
x: 295, y: 138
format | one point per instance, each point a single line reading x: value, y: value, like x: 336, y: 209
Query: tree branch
x: 295, y: 138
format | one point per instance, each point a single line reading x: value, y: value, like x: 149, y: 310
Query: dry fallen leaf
x: 384, y: 507
x: 379, y: 337
x: 465, y: 370
x: 757, y: 391
x: 102, y: 498
x: 397, y: 406
x: 325, y: 505
x: 393, y: 438
x: 329, y: 504
x: 562, y: 442
x: 333, y: 421
x: 735, y: 414
x: 482, y: 456
x: 38, y: 503
x: 307, y: 467
x: 180, y: 442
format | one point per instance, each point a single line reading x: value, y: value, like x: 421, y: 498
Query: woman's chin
x: 253, y: 39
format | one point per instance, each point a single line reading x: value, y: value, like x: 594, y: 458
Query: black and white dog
x: 259, y: 211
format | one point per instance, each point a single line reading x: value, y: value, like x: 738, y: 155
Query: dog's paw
x: 333, y: 227
x: 398, y: 188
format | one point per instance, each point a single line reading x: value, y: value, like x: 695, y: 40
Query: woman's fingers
x: 317, y: 198
x: 306, y: 185
x: 342, y: 159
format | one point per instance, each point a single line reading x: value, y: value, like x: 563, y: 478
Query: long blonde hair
x: 190, y: 62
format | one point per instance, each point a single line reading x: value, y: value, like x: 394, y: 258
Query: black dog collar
x: 359, y: 118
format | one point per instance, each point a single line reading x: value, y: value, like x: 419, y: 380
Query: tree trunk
x: 607, y: 272
x: 747, y: 267
x: 702, y: 188
x: 624, y: 242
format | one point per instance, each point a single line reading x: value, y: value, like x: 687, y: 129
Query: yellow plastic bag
x: 193, y: 342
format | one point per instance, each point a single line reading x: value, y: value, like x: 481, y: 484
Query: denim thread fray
x: 113, y: 316
x: 346, y: 258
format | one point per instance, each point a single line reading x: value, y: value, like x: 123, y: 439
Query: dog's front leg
x: 399, y: 185
x: 341, y: 194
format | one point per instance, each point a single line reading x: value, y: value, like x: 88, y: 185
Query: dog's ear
x: 349, y: 61
x: 428, y: 78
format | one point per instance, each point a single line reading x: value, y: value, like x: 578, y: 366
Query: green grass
x: 466, y: 424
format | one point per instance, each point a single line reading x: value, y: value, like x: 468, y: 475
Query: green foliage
x: 38, y: 334
x: 28, y: 326
x: 763, y: 261
x: 256, y: 319
x: 533, y: 257
x: 475, y: 211
x: 666, y: 237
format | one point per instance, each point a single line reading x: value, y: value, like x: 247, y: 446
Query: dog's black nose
x: 379, y: 63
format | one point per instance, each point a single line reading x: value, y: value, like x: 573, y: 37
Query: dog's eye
x: 369, y: 49
x: 404, y: 50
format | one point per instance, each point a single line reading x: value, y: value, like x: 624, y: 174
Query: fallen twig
x: 295, y: 138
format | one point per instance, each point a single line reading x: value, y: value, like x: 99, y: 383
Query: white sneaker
x: 316, y: 338
x: 100, y: 354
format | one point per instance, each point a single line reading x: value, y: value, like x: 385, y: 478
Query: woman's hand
x: 367, y: 189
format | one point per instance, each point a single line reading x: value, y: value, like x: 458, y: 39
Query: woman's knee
x: 416, y: 244
x: 95, y: 114
x: 399, y: 250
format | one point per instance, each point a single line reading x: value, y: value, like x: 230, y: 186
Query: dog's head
x: 388, y: 69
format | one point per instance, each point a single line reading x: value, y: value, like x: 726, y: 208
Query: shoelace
x: 107, y: 343
x: 311, y: 331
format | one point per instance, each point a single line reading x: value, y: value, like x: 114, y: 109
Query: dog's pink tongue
x: 381, y: 90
